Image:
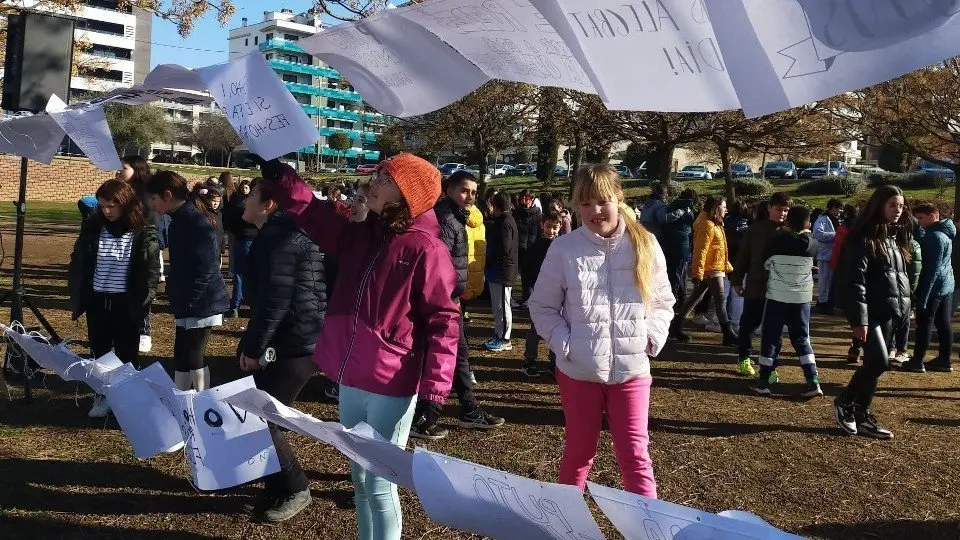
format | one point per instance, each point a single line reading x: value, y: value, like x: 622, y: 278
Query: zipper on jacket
x: 613, y: 340
x: 356, y: 308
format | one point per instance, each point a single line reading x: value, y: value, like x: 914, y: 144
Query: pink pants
x: 627, y: 406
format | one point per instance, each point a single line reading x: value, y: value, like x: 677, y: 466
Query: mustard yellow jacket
x: 709, y: 248
x: 476, y: 253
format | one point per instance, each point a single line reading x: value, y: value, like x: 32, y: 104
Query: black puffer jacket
x: 453, y: 220
x: 287, y: 290
x: 502, y: 255
x: 143, y: 273
x: 528, y: 225
x: 195, y: 285
x: 876, y: 288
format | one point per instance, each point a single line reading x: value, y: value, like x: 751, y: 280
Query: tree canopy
x: 137, y: 125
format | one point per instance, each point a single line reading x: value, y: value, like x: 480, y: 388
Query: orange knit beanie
x: 418, y: 180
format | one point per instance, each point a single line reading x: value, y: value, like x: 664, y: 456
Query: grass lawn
x: 632, y: 188
x: 41, y: 211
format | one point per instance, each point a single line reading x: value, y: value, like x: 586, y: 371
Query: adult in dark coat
x: 241, y: 238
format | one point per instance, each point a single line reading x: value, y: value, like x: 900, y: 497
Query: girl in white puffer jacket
x: 603, y: 302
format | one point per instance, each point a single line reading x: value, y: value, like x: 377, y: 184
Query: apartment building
x: 333, y: 106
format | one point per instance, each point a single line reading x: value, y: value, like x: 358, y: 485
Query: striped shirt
x: 113, y: 259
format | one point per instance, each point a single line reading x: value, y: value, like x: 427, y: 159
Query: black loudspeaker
x: 38, y: 61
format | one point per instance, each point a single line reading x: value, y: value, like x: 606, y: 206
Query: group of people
x: 878, y: 265
x: 374, y: 292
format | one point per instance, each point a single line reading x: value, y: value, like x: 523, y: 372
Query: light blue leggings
x: 378, y: 505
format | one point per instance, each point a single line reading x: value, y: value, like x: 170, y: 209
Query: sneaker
x: 813, y: 389
x: 473, y: 378
x: 101, y: 408
x: 939, y: 366
x: 867, y: 425
x: 232, y: 314
x: 146, y: 344
x: 901, y: 357
x: 163, y: 278
x: 262, y: 502
x: 701, y: 319
x: 531, y: 370
x: 761, y: 387
x: 490, y: 343
x: 911, y: 366
x: 332, y: 392
x: 712, y: 327
x: 500, y: 345
x: 774, y: 377
x: 426, y: 432
x: 845, y: 417
x: 746, y: 368
x: 288, y: 507
x: 479, y: 419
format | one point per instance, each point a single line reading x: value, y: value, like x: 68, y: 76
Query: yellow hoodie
x: 476, y: 253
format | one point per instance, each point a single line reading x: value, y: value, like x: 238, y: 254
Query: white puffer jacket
x: 587, y: 306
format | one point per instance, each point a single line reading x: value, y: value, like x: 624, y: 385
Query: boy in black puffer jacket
x: 550, y: 228
x: 501, y: 270
x: 527, y: 217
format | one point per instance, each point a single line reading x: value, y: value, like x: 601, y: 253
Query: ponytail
x: 642, y: 242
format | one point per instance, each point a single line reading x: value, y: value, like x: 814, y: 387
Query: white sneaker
x: 101, y: 408
x: 515, y: 305
x: 712, y: 327
x: 163, y: 278
x: 700, y: 319
x: 146, y: 344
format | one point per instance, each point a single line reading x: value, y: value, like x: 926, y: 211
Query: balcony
x: 306, y: 69
x: 370, y: 155
x: 278, y: 44
x: 297, y: 88
x: 354, y: 134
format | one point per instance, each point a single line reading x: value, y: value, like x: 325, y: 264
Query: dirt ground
x: 714, y: 445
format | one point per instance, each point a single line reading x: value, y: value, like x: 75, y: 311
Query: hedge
x: 832, y: 185
x: 909, y: 180
x: 751, y: 186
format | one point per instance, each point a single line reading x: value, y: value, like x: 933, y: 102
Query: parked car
x: 526, y: 169
x: 473, y: 169
x: 560, y: 171
x: 737, y: 170
x: 695, y: 171
x: 368, y: 168
x: 780, y: 169
x: 449, y: 168
x: 500, y: 169
x: 641, y: 171
x: 824, y: 168
x: 926, y: 167
x: 623, y: 171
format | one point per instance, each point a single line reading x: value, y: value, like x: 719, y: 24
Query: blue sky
x: 207, y: 44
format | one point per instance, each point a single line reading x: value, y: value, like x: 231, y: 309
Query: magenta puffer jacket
x: 391, y: 326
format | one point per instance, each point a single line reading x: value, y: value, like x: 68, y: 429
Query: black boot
x: 730, y: 338
x: 676, y: 330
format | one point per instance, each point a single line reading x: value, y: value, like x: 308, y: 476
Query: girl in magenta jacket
x: 391, y: 327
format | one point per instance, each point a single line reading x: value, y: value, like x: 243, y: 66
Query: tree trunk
x: 229, y: 157
x: 763, y: 164
x: 663, y: 158
x: 724, y: 150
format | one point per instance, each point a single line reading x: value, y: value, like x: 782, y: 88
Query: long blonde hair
x: 601, y: 182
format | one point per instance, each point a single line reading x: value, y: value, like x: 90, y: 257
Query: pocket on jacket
x: 399, y: 337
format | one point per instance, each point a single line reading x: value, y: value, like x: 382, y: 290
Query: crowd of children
x: 373, y: 283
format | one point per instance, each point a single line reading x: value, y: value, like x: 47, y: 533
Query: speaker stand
x: 16, y: 295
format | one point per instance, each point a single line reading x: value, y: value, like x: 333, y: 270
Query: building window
x: 246, y: 42
x: 269, y: 56
x: 256, y: 40
x: 331, y: 123
x: 289, y: 78
x: 269, y: 36
x: 291, y: 37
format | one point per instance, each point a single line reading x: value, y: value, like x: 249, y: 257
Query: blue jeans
x: 241, y: 248
x: 797, y: 319
x: 378, y: 505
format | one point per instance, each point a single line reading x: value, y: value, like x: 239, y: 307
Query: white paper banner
x: 641, y: 518
x: 362, y: 444
x: 657, y: 55
x: 37, y: 137
x: 785, y: 53
x: 262, y: 111
x: 396, y: 65
x: 146, y: 422
x: 87, y: 127
x: 507, y: 39
x: 225, y: 446
x: 488, y: 502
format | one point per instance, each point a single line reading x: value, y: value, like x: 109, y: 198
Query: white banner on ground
x: 507, y: 39
x: 641, y: 518
x: 145, y: 421
x: 488, y: 502
x: 225, y: 446
x: 87, y: 127
x: 362, y: 444
x: 396, y: 65
x: 657, y: 55
x: 263, y: 112
x: 785, y: 53
x: 37, y: 137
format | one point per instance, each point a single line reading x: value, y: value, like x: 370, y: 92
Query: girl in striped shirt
x: 114, y: 271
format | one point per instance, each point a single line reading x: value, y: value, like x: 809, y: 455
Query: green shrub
x: 745, y: 187
x: 917, y: 180
x: 832, y: 185
x: 675, y: 187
